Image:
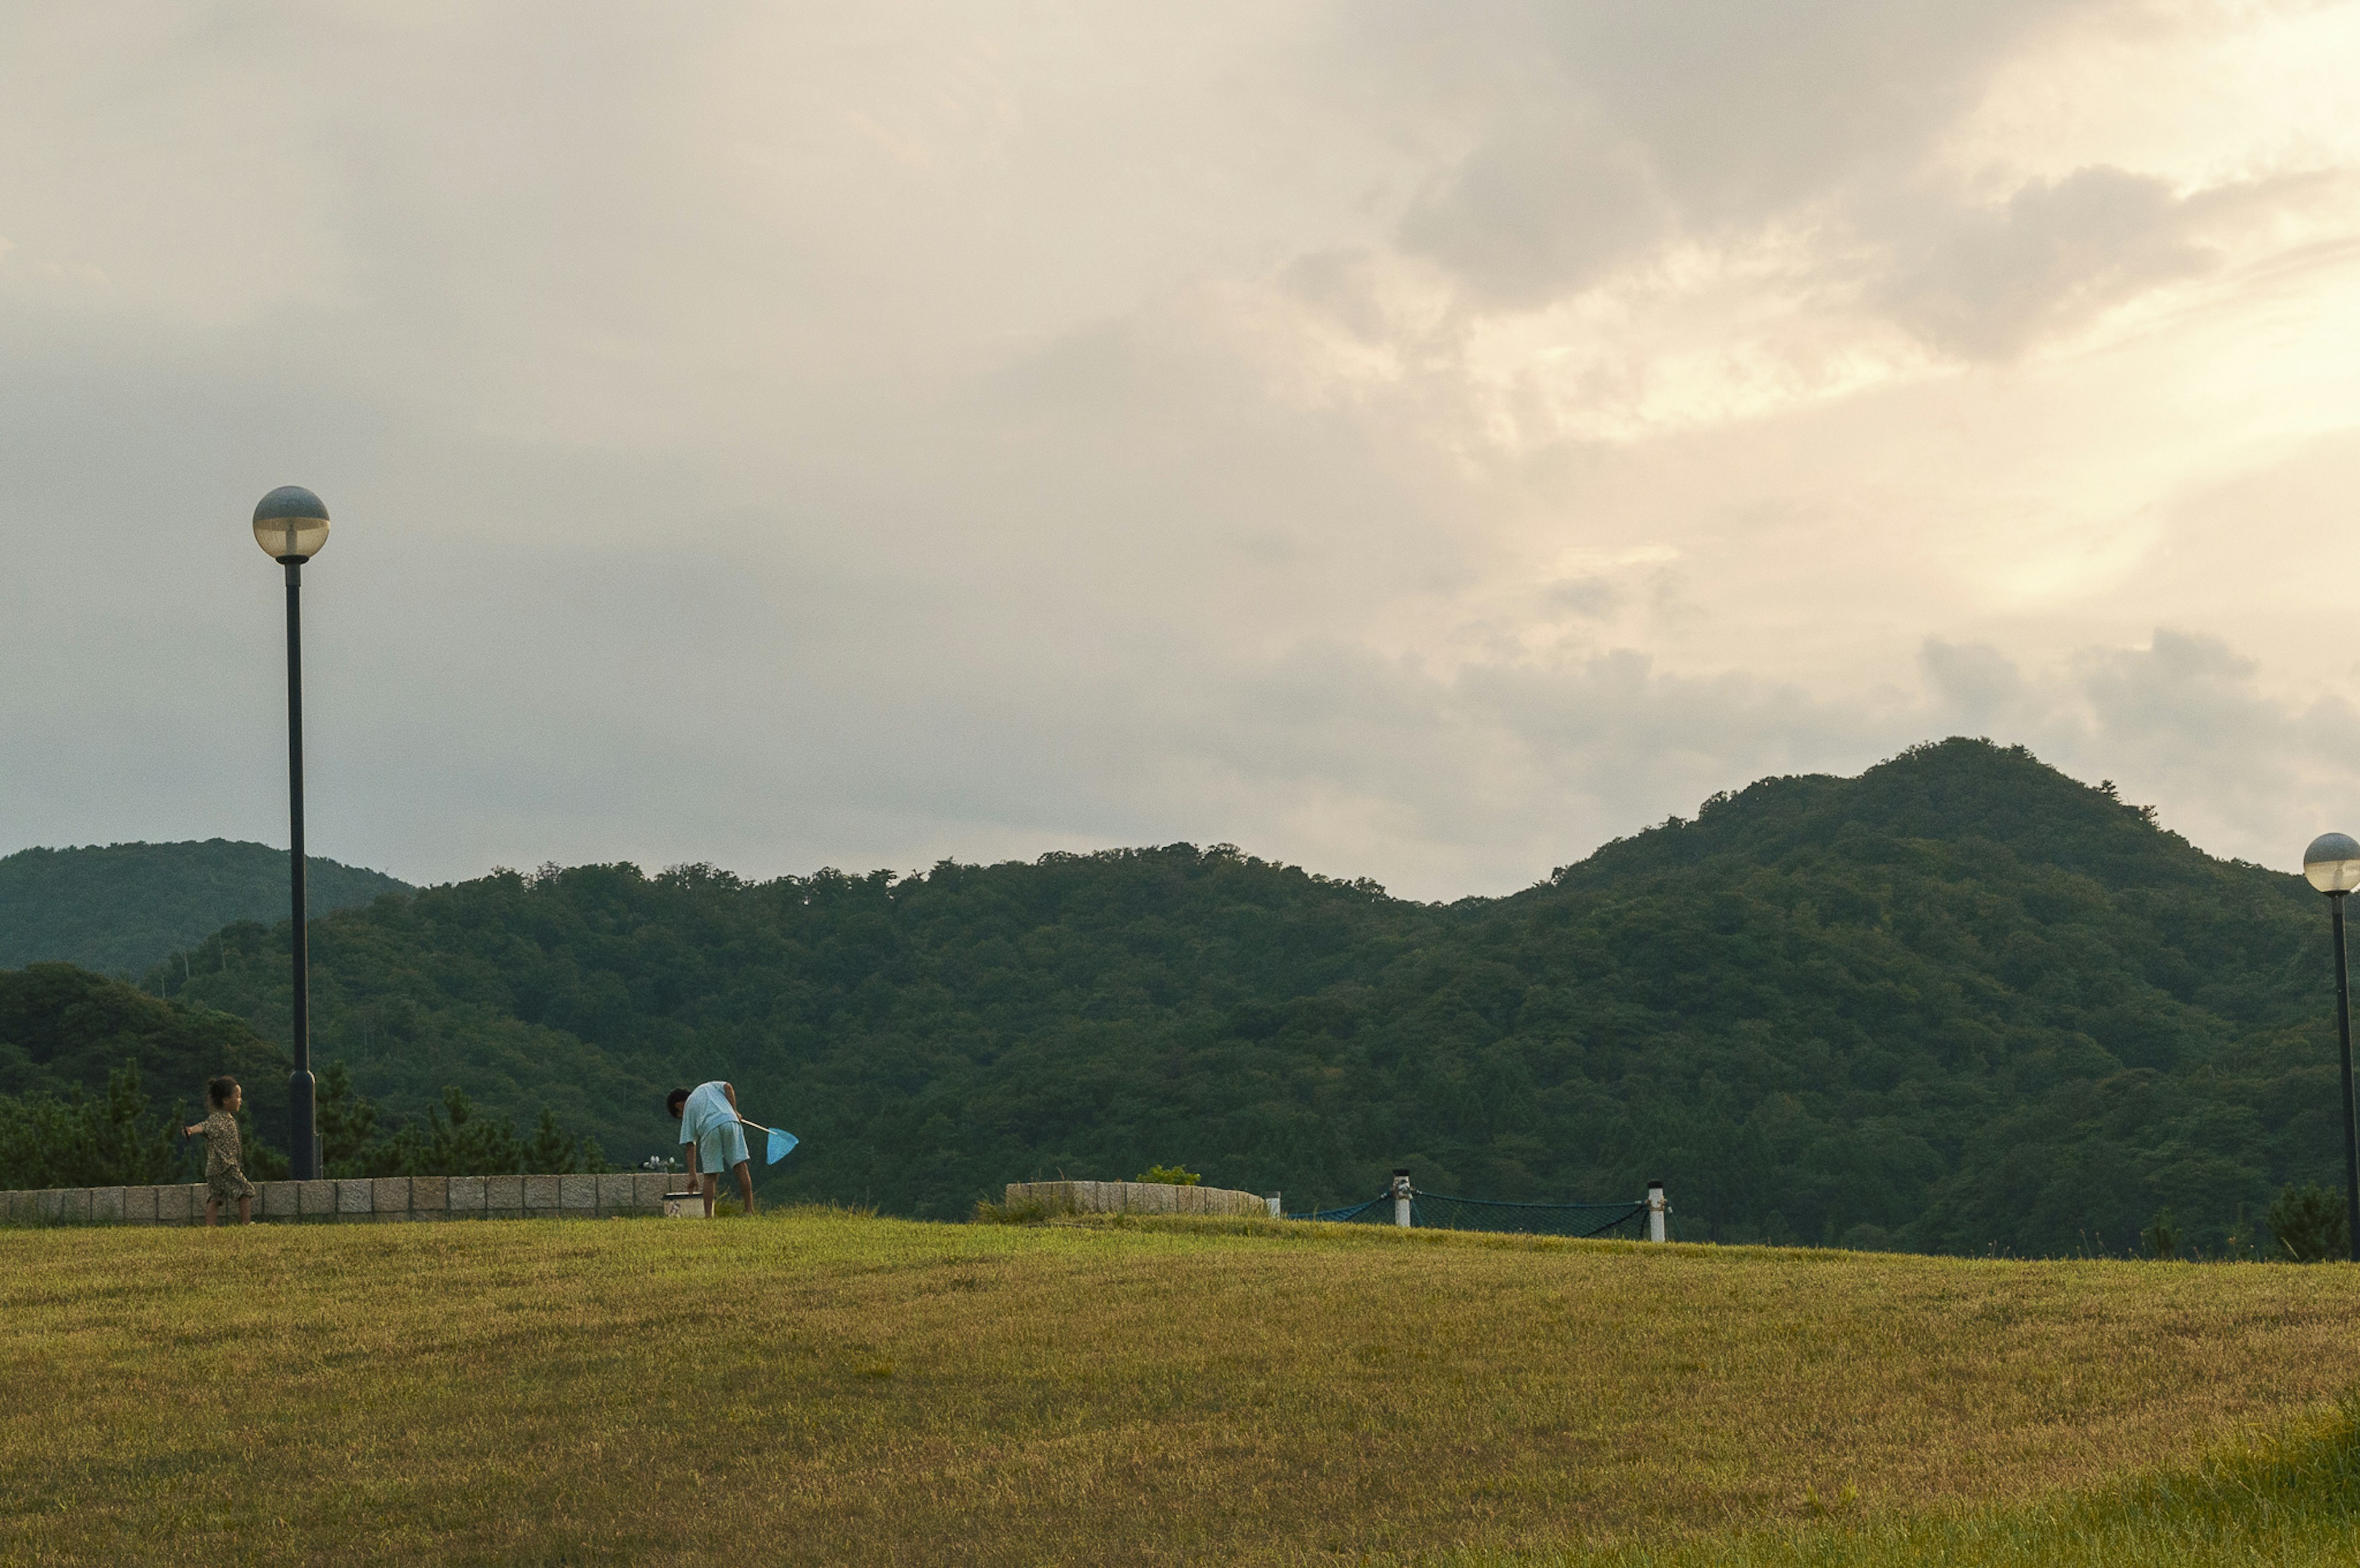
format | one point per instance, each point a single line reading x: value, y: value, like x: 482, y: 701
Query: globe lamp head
x: 290, y: 524
x: 2332, y: 864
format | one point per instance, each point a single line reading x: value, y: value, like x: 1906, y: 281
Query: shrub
x: 114, y: 1140
x: 2309, y: 1223
x: 1168, y: 1175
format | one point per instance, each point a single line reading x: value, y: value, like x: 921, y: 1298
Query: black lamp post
x: 291, y: 525
x: 2332, y: 866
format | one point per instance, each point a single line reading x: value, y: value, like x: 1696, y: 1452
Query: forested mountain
x: 63, y: 1029
x: 1959, y: 1002
x: 96, y: 1078
x: 121, y: 907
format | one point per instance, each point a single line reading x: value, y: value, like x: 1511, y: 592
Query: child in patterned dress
x: 225, y: 1174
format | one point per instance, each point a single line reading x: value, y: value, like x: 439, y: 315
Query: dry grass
x: 822, y: 1388
x: 2289, y: 1502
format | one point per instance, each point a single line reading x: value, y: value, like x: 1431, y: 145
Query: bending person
x: 709, y: 1131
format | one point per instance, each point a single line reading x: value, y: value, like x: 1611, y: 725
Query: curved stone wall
x: 1134, y: 1198
x: 367, y: 1199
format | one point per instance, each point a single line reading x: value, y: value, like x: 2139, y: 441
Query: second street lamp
x: 2332, y: 865
x: 291, y: 525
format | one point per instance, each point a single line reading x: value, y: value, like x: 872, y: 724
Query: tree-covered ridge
x: 1964, y: 1002
x: 96, y: 1080
x: 121, y: 907
x: 63, y: 1029
x: 1959, y: 1002
x: 846, y: 1003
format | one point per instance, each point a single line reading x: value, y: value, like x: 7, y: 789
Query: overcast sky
x: 1415, y: 441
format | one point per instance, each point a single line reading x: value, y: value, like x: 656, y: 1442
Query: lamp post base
x: 302, y: 1140
x: 2344, y: 1038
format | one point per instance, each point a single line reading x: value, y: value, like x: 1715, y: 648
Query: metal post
x: 1277, y: 1209
x: 2343, y: 1038
x: 1402, y: 1196
x: 302, y: 1143
x: 1657, y: 1207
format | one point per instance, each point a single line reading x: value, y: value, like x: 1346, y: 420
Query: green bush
x: 2309, y: 1223
x: 1169, y: 1175
x: 114, y: 1140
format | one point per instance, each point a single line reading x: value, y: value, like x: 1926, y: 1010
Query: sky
x: 1414, y: 441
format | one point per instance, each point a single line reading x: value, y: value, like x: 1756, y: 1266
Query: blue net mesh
x: 1529, y: 1219
x: 1355, y: 1212
x: 1439, y: 1212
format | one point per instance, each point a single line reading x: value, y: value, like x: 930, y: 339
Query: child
x: 224, y: 1176
x: 709, y: 1127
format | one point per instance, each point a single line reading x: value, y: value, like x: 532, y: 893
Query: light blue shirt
x: 708, y: 1109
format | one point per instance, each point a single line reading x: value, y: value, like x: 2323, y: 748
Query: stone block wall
x: 363, y: 1200
x: 1135, y: 1198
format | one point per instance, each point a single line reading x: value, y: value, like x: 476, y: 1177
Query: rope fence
x: 1355, y: 1212
x: 1432, y: 1209
x: 1403, y: 1204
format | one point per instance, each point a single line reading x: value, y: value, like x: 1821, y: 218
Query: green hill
x: 122, y: 908
x: 95, y: 1077
x: 71, y: 1115
x: 63, y: 1029
x: 1959, y: 1002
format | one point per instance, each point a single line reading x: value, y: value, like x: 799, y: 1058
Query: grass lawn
x: 814, y: 1387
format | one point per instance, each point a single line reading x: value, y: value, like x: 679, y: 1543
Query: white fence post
x: 1401, y: 1197
x: 1277, y: 1210
x: 1657, y: 1207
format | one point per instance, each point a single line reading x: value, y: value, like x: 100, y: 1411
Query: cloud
x: 1739, y: 114
x: 1539, y: 210
x: 1613, y: 151
x: 1597, y: 131
x: 1988, y: 283
x: 1421, y: 444
x: 1495, y: 772
x: 2184, y: 722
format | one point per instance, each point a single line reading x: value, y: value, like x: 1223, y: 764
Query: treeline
x: 1961, y: 1003
x: 450, y: 1139
x: 62, y: 1027
x: 119, y: 1137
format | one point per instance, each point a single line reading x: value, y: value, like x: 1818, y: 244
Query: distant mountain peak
x: 120, y: 908
x: 1947, y: 791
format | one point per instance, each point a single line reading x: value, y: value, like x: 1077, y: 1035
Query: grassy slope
x: 828, y: 1388
x: 2288, y: 1502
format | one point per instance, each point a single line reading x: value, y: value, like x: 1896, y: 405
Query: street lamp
x: 2332, y: 865
x: 291, y: 525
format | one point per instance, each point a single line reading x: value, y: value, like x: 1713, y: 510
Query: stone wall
x: 1134, y: 1198
x: 366, y: 1200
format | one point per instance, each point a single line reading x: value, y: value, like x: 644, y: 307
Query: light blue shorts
x: 721, y: 1149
